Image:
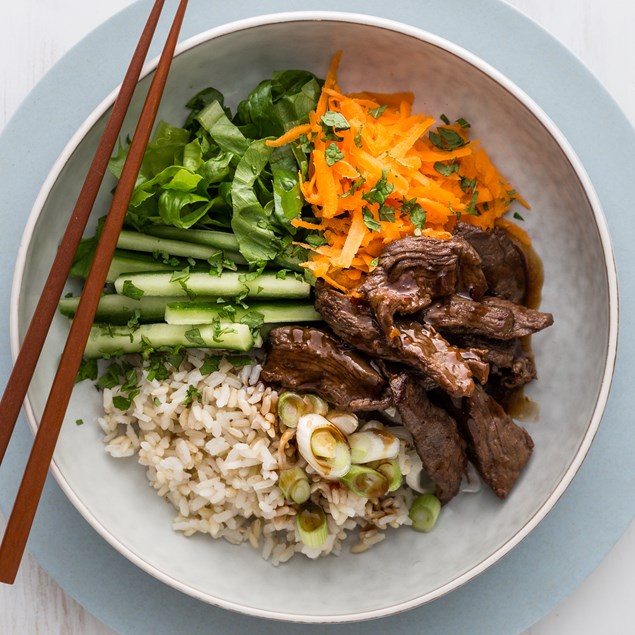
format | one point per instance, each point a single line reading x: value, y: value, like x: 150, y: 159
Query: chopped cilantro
x: 194, y: 336
x: 211, y: 364
x: 146, y: 347
x: 192, y: 395
x: 133, y: 322
x: 463, y: 123
x: 121, y: 403
x: 446, y: 169
x: 157, y: 369
x: 79, y: 422
x: 376, y: 113
x: 335, y: 120
x: 175, y: 357
x: 380, y: 191
x: 316, y: 240
x: 238, y: 361
x: 446, y: 139
x: 518, y: 216
x: 471, y: 208
x: 415, y: 211
x: 374, y: 262
x: 110, y: 378
x: 182, y: 277
x: 467, y: 184
x: 165, y: 258
x: 228, y: 311
x: 369, y: 220
x: 387, y: 213
x: 358, y: 137
x: 355, y: 185
x: 218, y: 261
x: 305, y: 145
x: 444, y: 119
x: 87, y: 370
x: 252, y: 275
x: 131, y: 291
x: 253, y: 319
x: 333, y: 154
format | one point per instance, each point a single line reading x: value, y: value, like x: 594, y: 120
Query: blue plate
x: 595, y: 510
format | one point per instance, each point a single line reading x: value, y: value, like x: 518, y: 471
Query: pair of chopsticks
x: 21, y: 518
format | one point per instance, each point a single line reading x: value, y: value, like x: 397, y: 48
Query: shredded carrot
x: 289, y: 136
x: 389, y: 174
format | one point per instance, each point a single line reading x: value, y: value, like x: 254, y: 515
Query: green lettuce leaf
x: 251, y: 222
x: 279, y: 103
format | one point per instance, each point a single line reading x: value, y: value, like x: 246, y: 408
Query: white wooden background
x: 34, y: 34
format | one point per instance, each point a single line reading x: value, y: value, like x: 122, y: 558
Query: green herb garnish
x: 370, y: 221
x: 131, y: 291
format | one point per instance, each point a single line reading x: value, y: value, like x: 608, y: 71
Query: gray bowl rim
x: 609, y: 264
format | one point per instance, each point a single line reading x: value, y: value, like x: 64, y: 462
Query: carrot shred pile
x: 378, y: 172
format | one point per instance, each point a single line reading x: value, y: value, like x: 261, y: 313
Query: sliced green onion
x: 373, y: 445
x: 373, y: 424
x: 311, y: 524
x: 294, y: 484
x: 323, y: 446
x: 291, y: 407
x: 424, y: 511
x: 316, y: 404
x: 391, y: 470
x: 347, y: 422
x: 365, y: 482
x: 323, y: 443
x: 416, y: 478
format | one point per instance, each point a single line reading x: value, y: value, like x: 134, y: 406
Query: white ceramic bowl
x: 575, y: 357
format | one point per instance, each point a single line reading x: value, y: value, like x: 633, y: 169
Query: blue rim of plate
x: 543, y: 581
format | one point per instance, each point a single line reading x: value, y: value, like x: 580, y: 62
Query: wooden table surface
x: 34, y: 34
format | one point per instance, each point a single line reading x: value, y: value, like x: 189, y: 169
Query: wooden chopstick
x: 15, y: 390
x: 29, y: 493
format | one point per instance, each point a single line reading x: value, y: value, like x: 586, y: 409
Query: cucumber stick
x: 119, y: 309
x: 220, y: 240
x: 227, y: 285
x: 208, y: 312
x: 136, y: 241
x: 106, y: 342
x: 131, y: 261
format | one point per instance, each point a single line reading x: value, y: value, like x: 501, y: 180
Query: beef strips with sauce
x: 307, y: 359
x: 492, y: 317
x: 435, y: 435
x: 417, y: 345
x: 422, y: 286
x: 495, y: 444
x: 412, y: 271
x: 503, y: 261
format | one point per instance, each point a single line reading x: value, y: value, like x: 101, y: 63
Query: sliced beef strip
x: 492, y: 317
x: 503, y: 261
x: 417, y: 345
x: 478, y: 367
x: 414, y: 270
x: 495, y: 444
x: 308, y: 359
x: 511, y: 366
x: 353, y: 322
x: 435, y: 434
x: 438, y: 359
